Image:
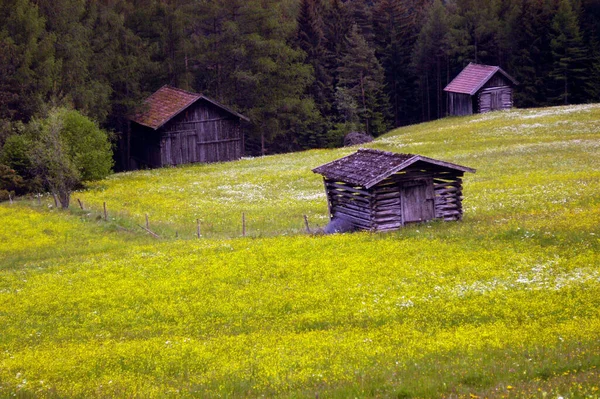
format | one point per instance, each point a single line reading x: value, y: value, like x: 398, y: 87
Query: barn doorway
x: 417, y: 201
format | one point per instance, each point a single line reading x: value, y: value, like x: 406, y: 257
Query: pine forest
x: 305, y: 72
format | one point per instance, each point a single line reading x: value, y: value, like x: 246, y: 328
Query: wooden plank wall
x: 459, y: 104
x: 495, y: 98
x: 202, y: 133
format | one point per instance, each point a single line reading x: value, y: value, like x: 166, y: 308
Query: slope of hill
x: 503, y: 304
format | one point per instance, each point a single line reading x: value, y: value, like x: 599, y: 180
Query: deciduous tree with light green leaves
x: 70, y: 149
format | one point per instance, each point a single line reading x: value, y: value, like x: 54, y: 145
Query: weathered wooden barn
x: 176, y: 127
x: 379, y: 191
x: 478, y: 89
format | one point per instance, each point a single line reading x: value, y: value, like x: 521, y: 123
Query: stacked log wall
x: 350, y: 202
x: 387, y: 205
x: 448, y: 196
x: 381, y: 207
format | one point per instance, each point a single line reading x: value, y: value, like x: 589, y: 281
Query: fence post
x: 198, y: 228
x: 105, y: 212
x: 243, y: 224
x: 306, y: 224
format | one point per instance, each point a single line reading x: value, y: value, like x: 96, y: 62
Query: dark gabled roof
x: 367, y: 167
x: 167, y: 102
x: 473, y: 77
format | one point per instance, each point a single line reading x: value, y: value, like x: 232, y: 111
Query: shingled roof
x: 167, y: 102
x: 367, y: 167
x: 473, y: 77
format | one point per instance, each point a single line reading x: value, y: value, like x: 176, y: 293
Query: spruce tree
x: 338, y: 22
x: 361, y: 14
x: 310, y: 38
x: 392, y: 50
x: 476, y: 34
x: 568, y: 69
x: 27, y: 62
x: 362, y: 77
x: 430, y: 57
x: 248, y: 52
x: 525, y: 46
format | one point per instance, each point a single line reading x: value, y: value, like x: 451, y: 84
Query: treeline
x: 304, y: 71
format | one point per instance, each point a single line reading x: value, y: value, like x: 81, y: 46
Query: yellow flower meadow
x: 502, y: 304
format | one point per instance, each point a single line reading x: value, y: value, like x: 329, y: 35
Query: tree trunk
x: 428, y: 97
x: 128, y: 145
x: 362, y: 92
x: 64, y: 196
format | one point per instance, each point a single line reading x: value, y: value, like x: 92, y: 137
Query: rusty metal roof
x: 473, y: 77
x: 167, y: 102
x: 367, y: 167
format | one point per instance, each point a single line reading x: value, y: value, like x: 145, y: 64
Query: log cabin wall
x: 448, y: 195
x: 410, y: 196
x: 350, y: 202
x: 202, y: 133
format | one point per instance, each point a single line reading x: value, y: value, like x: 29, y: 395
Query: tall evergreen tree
x: 525, y: 47
x: 27, y: 63
x: 338, y: 22
x: 430, y: 58
x: 568, y: 73
x: 360, y: 12
x: 395, y: 27
x: 310, y: 38
x: 249, y: 53
x: 476, y: 34
x: 362, y: 77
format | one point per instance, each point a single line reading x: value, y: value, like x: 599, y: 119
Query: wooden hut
x: 379, y: 191
x: 478, y: 89
x: 176, y: 127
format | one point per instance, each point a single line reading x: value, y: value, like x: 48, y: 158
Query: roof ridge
x: 376, y: 151
x: 180, y: 90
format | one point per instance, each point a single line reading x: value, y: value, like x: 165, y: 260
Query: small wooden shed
x: 176, y: 127
x: 478, y: 89
x: 379, y: 191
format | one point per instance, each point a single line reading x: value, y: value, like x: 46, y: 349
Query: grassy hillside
x: 503, y: 304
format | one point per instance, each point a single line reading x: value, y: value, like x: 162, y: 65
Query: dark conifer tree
x: 430, y: 58
x: 338, y: 22
x: 569, y: 72
x: 360, y: 12
x: 361, y: 77
x: 27, y: 62
x: 476, y: 33
x: 394, y: 29
x: 310, y: 38
x: 524, y: 49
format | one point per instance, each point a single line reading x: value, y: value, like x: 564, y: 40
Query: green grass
x: 503, y: 304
